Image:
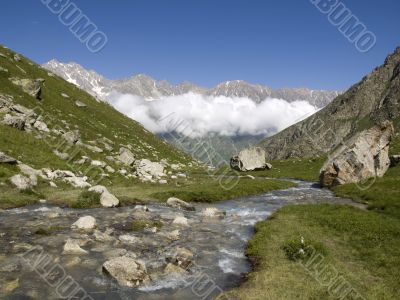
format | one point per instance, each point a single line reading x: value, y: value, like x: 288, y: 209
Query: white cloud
x: 199, y: 115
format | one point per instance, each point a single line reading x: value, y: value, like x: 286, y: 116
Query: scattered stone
x: 3, y: 70
x: 181, y: 175
x: 98, y: 163
x: 250, y: 176
x: 85, y: 223
x: 93, y: 148
x: 73, y: 247
x: 145, y: 167
x: 110, y: 169
x: 212, y: 212
x: 72, y: 137
x: 41, y: 126
x: 173, y: 269
x: 106, y: 198
x: 126, y: 156
x: 179, y: 204
x: 63, y: 156
x: 5, y: 159
x: 129, y: 239
x: 64, y: 95
x: 163, y: 181
x: 366, y: 157
x: 21, y: 182
x: 80, y: 104
x: 181, y: 257
x: 249, y: 160
x: 52, y: 184
x: 14, y: 121
x: 173, y: 235
x: 103, y: 236
x: 180, y: 220
x: 17, y: 57
x: 127, y: 271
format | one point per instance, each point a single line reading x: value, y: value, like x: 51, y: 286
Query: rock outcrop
x: 363, y: 156
x: 250, y: 160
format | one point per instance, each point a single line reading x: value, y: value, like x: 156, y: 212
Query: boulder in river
x: 250, y: 159
x: 127, y: 271
x: 212, y: 212
x: 180, y: 220
x: 73, y: 247
x: 180, y: 204
x: 85, y: 223
x: 365, y: 155
x: 181, y: 257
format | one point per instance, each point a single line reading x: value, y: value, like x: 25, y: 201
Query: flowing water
x: 218, y: 245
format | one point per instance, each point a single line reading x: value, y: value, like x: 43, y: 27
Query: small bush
x: 87, y: 200
x: 299, y: 248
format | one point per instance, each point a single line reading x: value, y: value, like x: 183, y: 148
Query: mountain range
x: 149, y: 88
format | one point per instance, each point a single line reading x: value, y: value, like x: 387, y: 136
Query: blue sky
x: 276, y: 43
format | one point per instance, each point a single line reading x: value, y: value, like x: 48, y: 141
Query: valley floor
x: 348, y: 253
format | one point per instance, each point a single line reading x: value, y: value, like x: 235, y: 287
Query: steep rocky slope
x: 374, y: 99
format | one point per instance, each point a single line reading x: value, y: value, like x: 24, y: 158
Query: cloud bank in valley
x: 198, y: 115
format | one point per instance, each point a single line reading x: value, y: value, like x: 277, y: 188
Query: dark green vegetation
x: 49, y: 230
x: 87, y: 200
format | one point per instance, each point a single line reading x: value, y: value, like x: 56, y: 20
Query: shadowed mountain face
x: 149, y: 88
x: 374, y: 99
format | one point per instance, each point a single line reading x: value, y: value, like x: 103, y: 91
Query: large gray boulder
x: 363, y: 156
x: 32, y: 87
x: 250, y: 160
x: 127, y: 271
